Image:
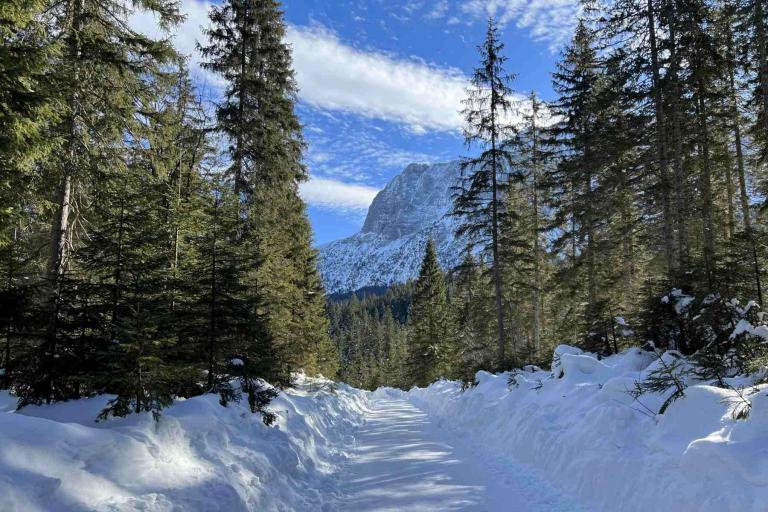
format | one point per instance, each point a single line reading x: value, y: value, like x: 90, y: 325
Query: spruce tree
x: 248, y: 50
x: 577, y: 82
x: 430, y: 341
x: 479, y: 196
x: 102, y: 73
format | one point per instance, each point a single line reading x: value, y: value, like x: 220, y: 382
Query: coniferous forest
x: 586, y: 328
x: 154, y: 244
x: 593, y: 217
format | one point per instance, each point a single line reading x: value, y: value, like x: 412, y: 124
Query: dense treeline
x: 151, y: 248
x: 369, y: 329
x: 155, y: 246
x: 628, y: 209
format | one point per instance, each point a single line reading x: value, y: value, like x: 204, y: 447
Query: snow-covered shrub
x: 667, y: 376
x: 667, y: 320
x: 723, y: 337
x: 240, y: 381
x: 732, y: 339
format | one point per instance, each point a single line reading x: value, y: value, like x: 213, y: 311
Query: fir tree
x: 101, y: 76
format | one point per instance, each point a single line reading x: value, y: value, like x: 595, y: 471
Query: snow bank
x: 580, y: 429
x: 199, y: 456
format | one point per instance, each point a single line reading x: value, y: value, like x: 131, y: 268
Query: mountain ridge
x: 411, y: 209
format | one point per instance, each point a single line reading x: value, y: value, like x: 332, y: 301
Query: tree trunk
x: 140, y: 350
x: 214, y: 292
x: 60, y: 230
x: 60, y: 234
x: 496, y: 269
x: 706, y: 186
x: 733, y: 98
x: 9, y: 327
x: 495, y: 221
x: 241, y: 103
x: 536, y: 249
x: 762, y: 54
x: 661, y: 142
x: 736, y: 126
x: 118, y: 273
x: 677, y: 134
x: 730, y: 225
x: 590, y: 232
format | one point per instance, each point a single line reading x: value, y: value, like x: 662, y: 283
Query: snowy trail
x: 404, y: 462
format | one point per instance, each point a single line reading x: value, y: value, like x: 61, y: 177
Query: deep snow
x: 199, y: 457
x: 563, y: 440
x: 581, y: 430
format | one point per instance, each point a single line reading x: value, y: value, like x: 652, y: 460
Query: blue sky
x: 381, y: 83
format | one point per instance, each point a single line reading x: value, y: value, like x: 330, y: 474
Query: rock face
x: 412, y: 208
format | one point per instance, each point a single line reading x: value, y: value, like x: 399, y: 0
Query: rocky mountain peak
x: 411, y: 209
x: 413, y: 200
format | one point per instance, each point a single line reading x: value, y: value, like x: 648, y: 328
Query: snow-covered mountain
x: 412, y: 208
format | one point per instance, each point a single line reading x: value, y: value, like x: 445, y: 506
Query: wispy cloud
x: 185, y: 37
x: 337, y: 195
x: 336, y: 76
x: 357, y: 150
x: 440, y: 10
x: 548, y: 21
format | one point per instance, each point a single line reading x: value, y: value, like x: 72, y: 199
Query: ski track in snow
x: 404, y: 461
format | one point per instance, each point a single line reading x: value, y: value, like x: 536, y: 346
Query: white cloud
x: 549, y: 21
x: 336, y: 76
x: 329, y: 193
x: 440, y: 10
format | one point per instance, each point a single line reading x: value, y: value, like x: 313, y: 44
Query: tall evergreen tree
x: 27, y: 110
x: 103, y: 73
x: 247, y: 48
x: 577, y: 82
x: 431, y: 338
x: 479, y: 196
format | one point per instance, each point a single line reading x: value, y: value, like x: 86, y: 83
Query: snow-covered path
x: 405, y: 462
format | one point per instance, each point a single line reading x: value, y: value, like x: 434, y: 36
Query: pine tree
x: 479, y: 196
